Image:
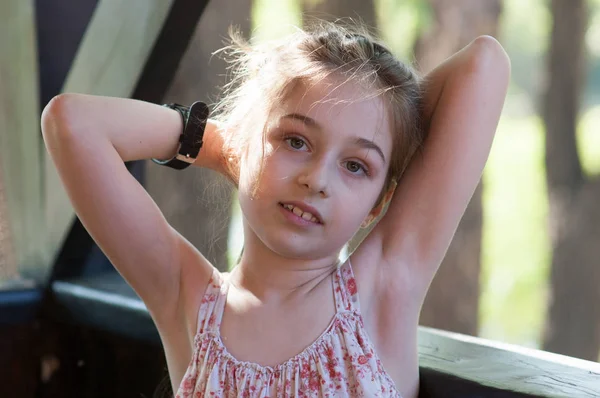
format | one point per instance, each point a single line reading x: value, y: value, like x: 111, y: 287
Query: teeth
x: 304, y: 214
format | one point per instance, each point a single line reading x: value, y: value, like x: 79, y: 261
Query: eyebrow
x: 304, y: 119
x: 362, y: 142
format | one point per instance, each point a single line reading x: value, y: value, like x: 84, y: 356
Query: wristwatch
x: 194, y: 120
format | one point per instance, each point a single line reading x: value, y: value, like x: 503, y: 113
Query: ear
x: 376, y: 212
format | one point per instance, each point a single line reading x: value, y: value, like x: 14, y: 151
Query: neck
x: 271, y: 276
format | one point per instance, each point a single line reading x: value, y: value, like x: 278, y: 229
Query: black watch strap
x: 194, y: 123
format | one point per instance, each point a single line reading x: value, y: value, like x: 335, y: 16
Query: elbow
x: 54, y: 119
x: 487, y: 57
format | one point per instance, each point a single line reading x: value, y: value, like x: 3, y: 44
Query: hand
x: 213, y: 153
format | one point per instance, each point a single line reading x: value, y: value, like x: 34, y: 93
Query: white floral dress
x: 340, y: 363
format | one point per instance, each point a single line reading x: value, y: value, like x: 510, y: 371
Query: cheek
x: 355, y: 204
x: 280, y: 167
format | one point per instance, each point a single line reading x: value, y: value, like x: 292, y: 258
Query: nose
x: 314, y: 178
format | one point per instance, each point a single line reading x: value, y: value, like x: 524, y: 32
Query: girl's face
x: 326, y: 157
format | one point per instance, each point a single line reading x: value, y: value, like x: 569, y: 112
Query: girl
x: 317, y: 132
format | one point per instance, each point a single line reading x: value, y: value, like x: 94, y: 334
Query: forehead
x: 341, y: 110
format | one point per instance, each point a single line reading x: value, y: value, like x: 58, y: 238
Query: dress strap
x: 212, y: 305
x: 344, y: 287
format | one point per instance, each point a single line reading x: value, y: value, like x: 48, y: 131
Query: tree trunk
x: 573, y: 322
x: 452, y: 302
x: 197, y: 202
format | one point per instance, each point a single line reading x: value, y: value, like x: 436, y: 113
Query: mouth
x: 303, y: 211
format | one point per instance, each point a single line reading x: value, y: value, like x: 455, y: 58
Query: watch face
x: 198, y: 115
x: 194, y: 130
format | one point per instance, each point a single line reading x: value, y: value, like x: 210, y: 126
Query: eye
x: 355, y: 167
x: 295, y: 143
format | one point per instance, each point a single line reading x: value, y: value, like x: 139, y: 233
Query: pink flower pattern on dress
x: 340, y: 363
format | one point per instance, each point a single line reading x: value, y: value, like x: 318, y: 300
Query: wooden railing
x: 451, y: 365
x: 454, y: 365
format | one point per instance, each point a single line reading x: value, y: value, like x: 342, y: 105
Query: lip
x: 305, y: 208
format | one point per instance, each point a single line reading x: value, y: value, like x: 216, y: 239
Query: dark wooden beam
x: 130, y: 49
x: 110, y: 59
x: 60, y: 25
x: 169, y: 48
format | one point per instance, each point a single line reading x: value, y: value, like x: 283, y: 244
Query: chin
x: 290, y: 245
x: 297, y: 247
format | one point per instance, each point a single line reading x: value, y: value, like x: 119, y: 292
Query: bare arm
x: 464, y: 97
x: 89, y: 138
